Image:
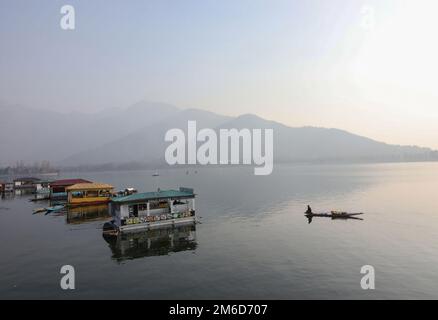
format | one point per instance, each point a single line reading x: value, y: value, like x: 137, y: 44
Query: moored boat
x: 58, y: 187
x: 39, y: 210
x: 151, y: 210
x: 83, y: 194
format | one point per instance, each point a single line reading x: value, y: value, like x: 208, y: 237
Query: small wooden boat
x: 334, y: 215
x: 55, y: 208
x: 39, y: 210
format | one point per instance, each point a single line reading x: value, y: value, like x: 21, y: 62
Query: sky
x: 368, y: 67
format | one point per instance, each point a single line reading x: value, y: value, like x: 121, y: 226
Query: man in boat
x: 309, y: 210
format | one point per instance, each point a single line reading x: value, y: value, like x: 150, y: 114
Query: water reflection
x: 7, y: 196
x: 311, y: 217
x: 23, y: 192
x: 155, y: 242
x: 87, y: 214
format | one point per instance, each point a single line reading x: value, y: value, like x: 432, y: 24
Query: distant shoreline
x: 148, y: 167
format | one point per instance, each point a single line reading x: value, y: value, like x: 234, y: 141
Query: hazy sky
x: 369, y: 67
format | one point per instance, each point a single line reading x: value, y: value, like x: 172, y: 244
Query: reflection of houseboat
x: 78, y: 215
x: 57, y: 187
x: 156, y: 242
x: 26, y: 183
x: 83, y: 194
x: 152, y: 209
x: 9, y: 187
x: 6, y: 189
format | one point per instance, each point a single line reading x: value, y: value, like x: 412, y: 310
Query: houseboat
x: 84, y: 194
x: 27, y: 183
x: 57, y: 187
x: 42, y: 187
x: 151, y: 209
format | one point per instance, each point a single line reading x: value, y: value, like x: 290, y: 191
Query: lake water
x: 254, y: 241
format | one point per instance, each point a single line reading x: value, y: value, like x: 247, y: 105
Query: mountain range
x: 136, y: 135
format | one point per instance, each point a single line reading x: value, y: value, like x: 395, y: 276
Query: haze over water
x: 253, y: 242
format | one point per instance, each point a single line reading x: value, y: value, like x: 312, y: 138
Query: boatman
x: 309, y: 210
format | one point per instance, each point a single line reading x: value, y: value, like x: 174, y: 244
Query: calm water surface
x: 253, y: 242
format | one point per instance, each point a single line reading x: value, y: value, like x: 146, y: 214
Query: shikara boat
x: 334, y: 214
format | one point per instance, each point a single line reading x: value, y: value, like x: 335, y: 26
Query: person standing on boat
x: 309, y: 210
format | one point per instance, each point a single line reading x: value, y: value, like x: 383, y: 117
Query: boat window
x: 133, y: 211
x: 78, y: 194
x: 92, y: 193
x: 154, y: 205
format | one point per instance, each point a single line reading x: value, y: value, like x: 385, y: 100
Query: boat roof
x: 68, y: 182
x: 27, y: 179
x: 89, y: 186
x: 162, y: 194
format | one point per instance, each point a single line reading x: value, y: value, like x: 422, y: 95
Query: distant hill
x: 136, y: 135
x: 312, y: 144
x: 35, y: 135
x: 146, y: 144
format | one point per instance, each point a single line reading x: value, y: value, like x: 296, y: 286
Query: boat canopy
x: 68, y: 182
x: 27, y: 179
x: 89, y: 186
x: 162, y: 194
